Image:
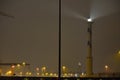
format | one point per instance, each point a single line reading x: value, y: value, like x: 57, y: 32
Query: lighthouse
x: 89, y: 59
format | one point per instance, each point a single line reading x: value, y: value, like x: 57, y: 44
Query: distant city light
x: 51, y: 74
x: 43, y: 69
x: 46, y: 74
x: 9, y: 72
x: 21, y: 73
x: 63, y: 67
x: 24, y: 63
x: 13, y: 66
x: 30, y: 73
x: 18, y: 65
x: 106, y: 66
x: 118, y: 52
x: 82, y: 74
x: 37, y: 69
x: 38, y: 74
x: 76, y: 75
x: 79, y: 64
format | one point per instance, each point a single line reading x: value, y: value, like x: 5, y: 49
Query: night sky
x: 32, y: 35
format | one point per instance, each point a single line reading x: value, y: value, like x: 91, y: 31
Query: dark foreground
x: 55, y: 78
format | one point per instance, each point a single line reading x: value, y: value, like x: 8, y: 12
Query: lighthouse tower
x: 89, y: 59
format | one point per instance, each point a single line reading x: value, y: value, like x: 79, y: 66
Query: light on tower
x: 89, y: 20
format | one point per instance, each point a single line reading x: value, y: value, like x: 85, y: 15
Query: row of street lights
x: 16, y: 69
x: 64, y: 72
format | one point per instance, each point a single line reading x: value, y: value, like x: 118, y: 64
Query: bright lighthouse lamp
x: 89, y: 20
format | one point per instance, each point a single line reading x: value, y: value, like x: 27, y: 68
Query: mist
x: 98, y: 9
x: 101, y: 8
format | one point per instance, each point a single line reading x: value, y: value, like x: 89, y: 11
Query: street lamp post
x: 24, y: 67
x: 79, y: 68
x: 106, y: 68
x: 63, y: 69
x: 89, y: 62
x: 13, y: 69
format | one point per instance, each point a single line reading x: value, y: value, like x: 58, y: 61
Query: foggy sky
x: 32, y: 36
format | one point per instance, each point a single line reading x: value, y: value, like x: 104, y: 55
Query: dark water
x: 55, y: 78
